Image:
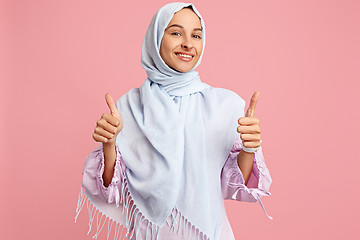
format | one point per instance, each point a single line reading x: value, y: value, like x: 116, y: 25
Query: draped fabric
x: 169, y: 124
x: 177, y: 135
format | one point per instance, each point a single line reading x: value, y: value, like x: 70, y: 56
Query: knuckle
x: 98, y: 130
x: 113, y: 131
x: 251, y: 137
x: 95, y: 137
x: 100, y: 122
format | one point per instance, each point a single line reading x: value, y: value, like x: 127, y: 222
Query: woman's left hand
x: 249, y: 128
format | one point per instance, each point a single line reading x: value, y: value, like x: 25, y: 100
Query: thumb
x: 251, y: 110
x: 111, y: 105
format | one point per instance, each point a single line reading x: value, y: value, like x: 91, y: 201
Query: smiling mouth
x: 184, y: 57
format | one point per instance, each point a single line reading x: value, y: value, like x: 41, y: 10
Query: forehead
x: 186, y: 17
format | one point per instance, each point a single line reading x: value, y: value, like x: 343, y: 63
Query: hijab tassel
x: 109, y: 228
x: 91, y: 211
x: 131, y: 212
x: 80, y: 203
x: 99, y: 224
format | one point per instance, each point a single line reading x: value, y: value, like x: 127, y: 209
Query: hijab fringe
x: 125, y: 231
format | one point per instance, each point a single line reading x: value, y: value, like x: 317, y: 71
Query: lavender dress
x: 177, y: 228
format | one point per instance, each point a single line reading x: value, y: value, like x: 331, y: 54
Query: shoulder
x: 224, y: 96
x: 133, y: 95
x: 133, y: 92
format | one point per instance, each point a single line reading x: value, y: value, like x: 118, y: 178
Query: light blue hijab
x: 174, y: 83
x: 178, y: 132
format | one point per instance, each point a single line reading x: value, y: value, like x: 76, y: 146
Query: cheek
x: 199, y: 48
x: 163, y: 52
x: 199, y: 51
x: 166, y: 49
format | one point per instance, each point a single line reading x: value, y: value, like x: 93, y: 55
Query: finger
x: 251, y: 144
x: 111, y: 119
x: 106, y: 126
x: 248, y: 121
x: 248, y: 129
x: 250, y: 137
x: 111, y: 104
x: 102, y: 132
x: 99, y: 138
x: 251, y: 110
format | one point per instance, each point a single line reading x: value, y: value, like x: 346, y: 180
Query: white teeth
x: 183, y: 55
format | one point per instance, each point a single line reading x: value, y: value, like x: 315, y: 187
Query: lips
x: 184, y: 56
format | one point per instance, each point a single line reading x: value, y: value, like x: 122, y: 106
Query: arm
x: 249, y: 130
x: 232, y: 180
x: 245, y: 162
x: 94, y: 170
x: 106, y: 131
x: 233, y: 183
x: 109, y: 163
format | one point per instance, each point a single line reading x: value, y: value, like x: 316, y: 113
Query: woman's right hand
x: 109, y: 125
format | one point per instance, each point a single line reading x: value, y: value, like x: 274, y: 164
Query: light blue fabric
x: 178, y: 132
x: 175, y: 83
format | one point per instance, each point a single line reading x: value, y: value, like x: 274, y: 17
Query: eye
x: 197, y: 36
x: 175, y: 33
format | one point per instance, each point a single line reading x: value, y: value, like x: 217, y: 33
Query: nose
x: 187, y: 44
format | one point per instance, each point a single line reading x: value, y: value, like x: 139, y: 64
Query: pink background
x: 59, y: 58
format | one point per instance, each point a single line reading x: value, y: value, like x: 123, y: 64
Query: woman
x: 170, y: 153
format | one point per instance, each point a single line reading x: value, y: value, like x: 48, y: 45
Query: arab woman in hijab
x: 170, y: 150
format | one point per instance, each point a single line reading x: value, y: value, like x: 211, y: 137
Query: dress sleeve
x: 92, y: 176
x: 233, y: 183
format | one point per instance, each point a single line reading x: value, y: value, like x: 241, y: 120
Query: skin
x: 106, y: 130
x: 250, y: 134
x: 183, y: 34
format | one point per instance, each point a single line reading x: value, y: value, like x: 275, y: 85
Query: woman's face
x: 181, y: 45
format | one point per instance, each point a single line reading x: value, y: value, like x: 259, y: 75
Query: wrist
x: 108, y: 146
x: 109, y: 151
x: 246, y: 153
x: 249, y: 150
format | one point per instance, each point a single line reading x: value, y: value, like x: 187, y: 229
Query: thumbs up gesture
x: 109, y: 125
x: 249, y: 128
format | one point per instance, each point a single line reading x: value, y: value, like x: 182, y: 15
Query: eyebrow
x: 179, y: 26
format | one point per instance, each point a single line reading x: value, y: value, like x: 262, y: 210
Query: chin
x: 183, y: 69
